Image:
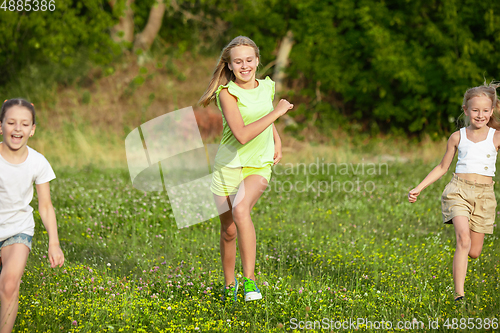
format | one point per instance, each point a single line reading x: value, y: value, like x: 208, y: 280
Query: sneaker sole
x: 252, y: 296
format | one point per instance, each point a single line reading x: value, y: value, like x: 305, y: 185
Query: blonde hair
x: 222, y: 74
x: 486, y: 90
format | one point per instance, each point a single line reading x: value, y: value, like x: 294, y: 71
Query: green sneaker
x: 252, y: 293
x: 230, y: 292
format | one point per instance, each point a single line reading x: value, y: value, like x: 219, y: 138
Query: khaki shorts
x: 226, y: 181
x: 475, y: 201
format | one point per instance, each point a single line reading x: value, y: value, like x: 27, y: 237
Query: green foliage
x: 402, y: 64
x: 37, y: 81
x: 264, y: 21
x: 192, y: 25
x: 73, y: 34
x: 394, y: 66
x: 86, y: 97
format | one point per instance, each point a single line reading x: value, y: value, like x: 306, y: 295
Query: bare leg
x: 254, y: 186
x: 14, y: 258
x: 460, y: 259
x: 476, y: 247
x: 227, y: 237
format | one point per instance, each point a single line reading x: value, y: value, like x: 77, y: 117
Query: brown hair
x: 222, y: 74
x: 17, y: 101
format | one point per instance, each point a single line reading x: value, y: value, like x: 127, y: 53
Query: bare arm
x: 244, y: 133
x: 276, y: 136
x: 277, y: 146
x: 440, y: 169
x: 56, y: 257
x: 496, y: 139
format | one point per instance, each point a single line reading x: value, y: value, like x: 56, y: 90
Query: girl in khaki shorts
x: 468, y: 201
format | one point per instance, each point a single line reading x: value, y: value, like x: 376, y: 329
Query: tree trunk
x: 124, y: 30
x: 279, y: 71
x: 144, y: 39
x: 282, y: 61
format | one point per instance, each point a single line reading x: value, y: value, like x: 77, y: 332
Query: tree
x: 176, y: 21
x: 60, y: 37
x: 124, y: 30
x: 282, y: 60
x: 396, y: 65
x: 400, y: 66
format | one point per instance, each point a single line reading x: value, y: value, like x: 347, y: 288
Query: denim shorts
x: 17, y: 239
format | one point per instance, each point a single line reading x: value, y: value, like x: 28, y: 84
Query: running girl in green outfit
x: 250, y: 145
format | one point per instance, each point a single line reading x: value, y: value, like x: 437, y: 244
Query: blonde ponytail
x: 221, y: 76
x: 495, y: 117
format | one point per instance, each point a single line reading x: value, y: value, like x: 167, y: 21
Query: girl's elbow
x: 45, y: 209
x: 445, y: 168
x: 241, y: 139
x: 43, y: 214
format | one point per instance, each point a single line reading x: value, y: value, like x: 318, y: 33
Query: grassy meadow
x: 354, y: 250
x: 333, y: 247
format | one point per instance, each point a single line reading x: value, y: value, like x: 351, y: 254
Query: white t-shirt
x: 16, y: 192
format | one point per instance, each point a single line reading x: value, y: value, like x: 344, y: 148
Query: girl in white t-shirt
x: 20, y: 167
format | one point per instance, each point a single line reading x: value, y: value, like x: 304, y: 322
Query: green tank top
x: 253, y: 105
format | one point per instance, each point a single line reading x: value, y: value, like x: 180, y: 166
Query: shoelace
x: 250, y: 285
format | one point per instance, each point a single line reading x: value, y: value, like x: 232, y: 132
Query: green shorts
x: 226, y: 181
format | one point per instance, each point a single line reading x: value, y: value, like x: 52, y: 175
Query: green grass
x: 338, y: 256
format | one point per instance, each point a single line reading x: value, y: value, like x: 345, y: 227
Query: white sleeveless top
x: 479, y: 157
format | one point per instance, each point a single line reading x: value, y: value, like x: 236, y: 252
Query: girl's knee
x: 240, y: 212
x: 474, y: 253
x: 9, y: 287
x: 228, y: 232
x: 463, y: 240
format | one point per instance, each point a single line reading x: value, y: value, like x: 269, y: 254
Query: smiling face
x: 479, y: 110
x: 16, y: 127
x: 243, y: 63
